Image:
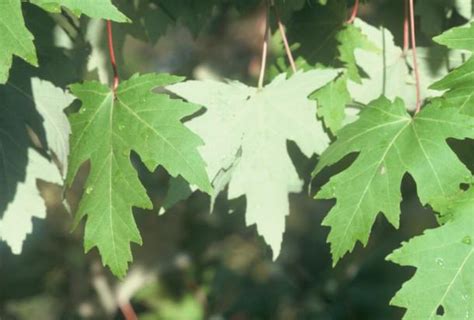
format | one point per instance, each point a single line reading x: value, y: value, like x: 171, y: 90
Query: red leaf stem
x: 112, y: 56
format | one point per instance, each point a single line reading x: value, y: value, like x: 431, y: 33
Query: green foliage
x: 93, y: 8
x: 351, y: 38
x: 332, y: 100
x: 444, y: 258
x: 459, y: 82
x: 105, y: 131
x: 17, y: 222
x: 390, y: 143
x: 15, y: 38
x: 232, y: 137
x: 245, y: 131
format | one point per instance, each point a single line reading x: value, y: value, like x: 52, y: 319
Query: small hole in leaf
x: 464, y: 186
x: 248, y: 98
x: 440, y: 311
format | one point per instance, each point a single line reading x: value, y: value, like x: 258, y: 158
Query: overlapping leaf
x: 15, y: 39
x: 102, y: 9
x: 50, y: 102
x: 390, y: 143
x: 444, y: 258
x: 459, y: 83
x: 17, y: 222
x: 246, y: 131
x: 386, y: 68
x: 332, y: 100
x: 105, y: 131
x: 388, y: 71
x: 434, y: 13
x: 39, y: 105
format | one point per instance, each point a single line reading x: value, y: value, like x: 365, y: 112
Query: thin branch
x: 263, y: 64
x: 405, y: 27
x: 128, y: 312
x: 281, y: 26
x: 355, y: 10
x: 112, y: 56
x: 415, y: 62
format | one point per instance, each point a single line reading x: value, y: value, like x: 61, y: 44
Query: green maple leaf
x: 351, y: 38
x: 101, y: 9
x: 15, y: 39
x: 105, y: 131
x: 460, y: 92
x: 332, y: 100
x: 444, y: 258
x: 246, y: 131
x: 390, y: 143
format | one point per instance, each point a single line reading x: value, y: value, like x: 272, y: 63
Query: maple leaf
x: 390, y: 143
x: 101, y: 9
x: 444, y: 258
x: 433, y: 13
x: 246, y: 131
x: 460, y: 92
x: 351, y: 38
x: 50, y: 103
x: 21, y: 165
x: 15, y: 39
x: 386, y: 68
x: 17, y: 219
x: 105, y: 131
x: 332, y: 100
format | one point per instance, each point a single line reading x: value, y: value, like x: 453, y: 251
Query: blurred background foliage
x: 196, y: 265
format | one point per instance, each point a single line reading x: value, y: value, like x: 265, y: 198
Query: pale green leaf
x: 50, y: 102
x: 390, y: 143
x: 101, y: 9
x: 246, y: 131
x: 386, y: 69
x: 15, y: 39
x: 17, y: 222
x: 444, y: 258
x: 105, y: 131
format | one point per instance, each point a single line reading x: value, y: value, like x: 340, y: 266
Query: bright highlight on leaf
x: 105, y: 131
x: 246, y: 131
x: 15, y: 39
x: 444, y: 258
x: 20, y: 165
x: 17, y: 222
x: 390, y: 143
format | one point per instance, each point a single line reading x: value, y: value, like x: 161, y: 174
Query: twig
x: 281, y: 26
x: 112, y: 56
x: 405, y: 27
x: 415, y: 62
x: 127, y: 311
x: 355, y: 10
x: 264, y: 50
